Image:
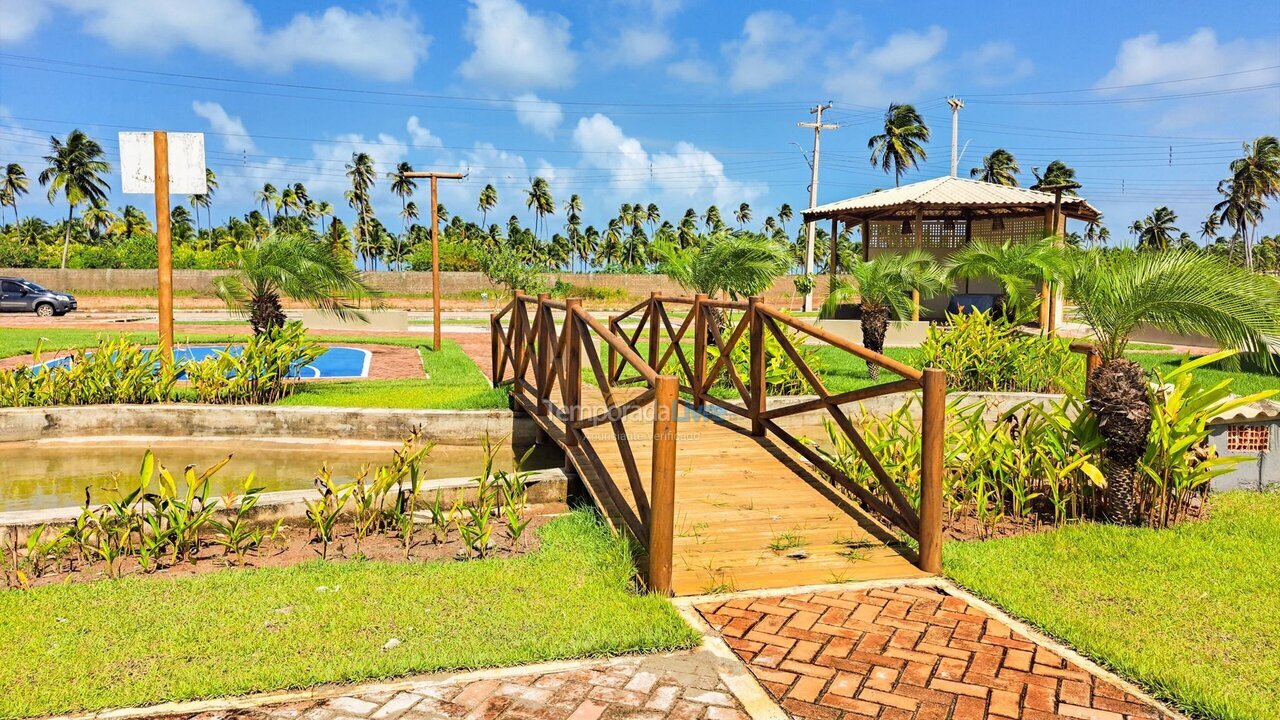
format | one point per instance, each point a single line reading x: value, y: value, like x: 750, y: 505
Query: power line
x: 1128, y: 86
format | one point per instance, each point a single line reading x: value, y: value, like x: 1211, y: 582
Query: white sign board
x: 186, y: 163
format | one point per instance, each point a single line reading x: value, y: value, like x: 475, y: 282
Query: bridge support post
x: 756, y: 403
x: 495, y: 329
x: 655, y: 330
x: 933, y: 429
x: 616, y: 329
x: 699, y: 350
x: 543, y: 353
x: 572, y: 370
x: 662, y: 492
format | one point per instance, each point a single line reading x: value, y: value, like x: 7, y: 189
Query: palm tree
x: 1210, y: 227
x: 13, y: 184
x: 361, y: 173
x: 268, y: 198
x: 784, y: 215
x: 736, y: 264
x: 742, y: 214
x: 488, y: 201
x: 1000, y: 167
x: 538, y: 198
x: 652, y: 215
x: 1255, y: 178
x: 324, y: 209
x: 883, y: 287
x: 712, y: 218
x: 75, y: 168
x: 1158, y: 230
x: 288, y: 200
x: 1020, y: 268
x: 402, y: 187
x: 296, y: 267
x: 1055, y: 173
x: 901, y: 144
x: 98, y: 218
x: 1181, y: 291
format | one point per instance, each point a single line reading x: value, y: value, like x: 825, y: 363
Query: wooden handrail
x: 556, y: 357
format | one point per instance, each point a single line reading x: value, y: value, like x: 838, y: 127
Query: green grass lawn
x: 453, y: 381
x: 141, y: 641
x: 1190, y: 612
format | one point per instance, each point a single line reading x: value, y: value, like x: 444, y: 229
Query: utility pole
x: 956, y: 104
x: 955, y: 132
x: 818, y: 127
x: 435, y: 249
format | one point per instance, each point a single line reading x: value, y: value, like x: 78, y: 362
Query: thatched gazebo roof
x: 950, y: 196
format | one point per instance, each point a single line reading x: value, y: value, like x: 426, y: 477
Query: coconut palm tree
x: 737, y: 264
x: 538, y: 199
x: 361, y: 173
x: 883, y: 287
x: 1255, y: 178
x: 268, y: 197
x: 742, y: 214
x: 488, y: 201
x: 296, y: 267
x: 784, y: 215
x: 12, y: 185
x: 75, y: 169
x: 1055, y: 173
x: 1210, y: 227
x: 324, y: 209
x: 402, y: 186
x: 98, y: 218
x: 652, y: 216
x: 1181, y: 291
x: 288, y: 201
x: 1020, y: 268
x: 712, y: 219
x: 901, y: 145
x: 1158, y: 230
x: 999, y: 167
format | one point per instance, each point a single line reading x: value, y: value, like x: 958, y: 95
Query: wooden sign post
x: 435, y: 249
x: 148, y: 166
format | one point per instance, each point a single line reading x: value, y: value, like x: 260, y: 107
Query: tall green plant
x: 1021, y: 269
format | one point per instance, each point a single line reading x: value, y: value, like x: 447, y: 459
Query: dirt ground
x: 296, y: 544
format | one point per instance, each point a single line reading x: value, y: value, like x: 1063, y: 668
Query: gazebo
x: 947, y: 213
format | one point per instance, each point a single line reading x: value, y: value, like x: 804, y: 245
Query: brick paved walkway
x: 907, y: 652
x: 684, y: 686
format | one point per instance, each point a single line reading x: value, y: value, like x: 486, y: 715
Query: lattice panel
x: 1015, y: 230
x: 938, y: 235
x: 1248, y: 439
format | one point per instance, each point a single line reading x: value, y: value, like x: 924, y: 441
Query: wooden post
x: 866, y: 241
x: 654, y: 330
x: 699, y: 350
x: 544, y: 348
x: 915, y: 293
x: 1092, y: 361
x: 435, y: 267
x: 518, y: 318
x: 1060, y: 230
x: 494, y: 327
x: 572, y: 369
x: 835, y: 249
x: 756, y: 403
x: 662, y: 491
x: 933, y: 429
x: 616, y: 329
x: 164, y: 246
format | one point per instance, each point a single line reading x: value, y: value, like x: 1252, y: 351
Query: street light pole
x: 435, y: 249
x: 818, y: 127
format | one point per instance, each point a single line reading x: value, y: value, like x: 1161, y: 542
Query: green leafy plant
x: 113, y: 371
x: 323, y: 512
x: 990, y: 354
x: 259, y: 372
x: 237, y: 535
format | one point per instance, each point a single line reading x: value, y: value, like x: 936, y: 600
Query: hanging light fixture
x: 906, y: 227
x: 997, y: 224
x: 950, y: 226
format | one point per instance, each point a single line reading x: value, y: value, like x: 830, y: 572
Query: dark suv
x: 18, y: 295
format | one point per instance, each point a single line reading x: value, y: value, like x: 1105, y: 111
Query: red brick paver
x: 908, y: 652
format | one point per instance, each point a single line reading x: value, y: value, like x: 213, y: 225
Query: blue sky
x: 680, y: 102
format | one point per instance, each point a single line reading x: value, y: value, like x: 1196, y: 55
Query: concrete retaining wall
x: 451, y: 427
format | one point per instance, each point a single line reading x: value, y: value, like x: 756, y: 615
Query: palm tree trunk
x: 1117, y: 396
x: 266, y: 313
x: 66, y: 240
x: 875, y: 324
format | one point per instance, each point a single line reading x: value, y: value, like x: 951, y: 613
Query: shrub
x: 257, y: 372
x: 113, y: 371
x: 564, y: 289
x: 781, y: 376
x: 982, y: 353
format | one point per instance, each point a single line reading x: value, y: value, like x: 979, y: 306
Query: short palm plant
x: 296, y: 267
x: 1020, y: 268
x: 737, y: 264
x: 1181, y: 291
x: 883, y: 287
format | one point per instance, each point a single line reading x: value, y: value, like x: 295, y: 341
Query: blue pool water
x: 335, y: 362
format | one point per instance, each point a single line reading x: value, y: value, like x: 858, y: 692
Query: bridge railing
x: 703, y: 346
x: 543, y: 343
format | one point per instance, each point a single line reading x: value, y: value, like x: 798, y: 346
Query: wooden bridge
x: 718, y: 492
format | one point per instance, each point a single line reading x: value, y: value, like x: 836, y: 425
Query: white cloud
x: 420, y: 136
x: 637, y: 46
x: 540, y: 116
x: 774, y: 48
x: 686, y: 175
x: 233, y: 135
x: 21, y: 18
x: 692, y: 70
x: 1145, y: 59
x: 517, y: 49
x: 996, y: 63
x: 903, y: 67
x: 386, y: 45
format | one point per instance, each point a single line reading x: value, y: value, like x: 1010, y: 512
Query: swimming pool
x: 336, y: 362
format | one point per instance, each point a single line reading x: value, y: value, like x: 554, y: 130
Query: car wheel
x: 44, y: 310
